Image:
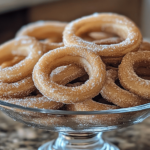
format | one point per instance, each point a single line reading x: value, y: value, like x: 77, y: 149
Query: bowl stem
x: 78, y: 141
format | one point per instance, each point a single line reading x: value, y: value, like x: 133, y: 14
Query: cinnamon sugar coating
x: 118, y: 96
x: 106, y: 22
x: 24, y: 46
x: 48, y: 32
x: 64, y: 56
x: 129, y: 79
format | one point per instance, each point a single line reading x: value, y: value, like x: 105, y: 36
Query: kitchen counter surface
x: 17, y: 136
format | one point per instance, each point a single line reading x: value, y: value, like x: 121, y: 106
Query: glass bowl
x: 77, y: 129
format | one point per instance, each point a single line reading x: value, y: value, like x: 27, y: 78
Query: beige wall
x: 145, y: 19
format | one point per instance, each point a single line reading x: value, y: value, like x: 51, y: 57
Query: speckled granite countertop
x: 17, y: 136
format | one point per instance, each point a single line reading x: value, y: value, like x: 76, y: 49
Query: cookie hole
x: 100, y: 99
x: 117, y: 82
x: 12, y: 61
x: 96, y: 36
x: 142, y: 69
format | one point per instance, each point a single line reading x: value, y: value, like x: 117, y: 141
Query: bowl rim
x: 64, y: 112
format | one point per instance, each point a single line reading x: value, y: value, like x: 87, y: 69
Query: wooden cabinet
x: 67, y: 10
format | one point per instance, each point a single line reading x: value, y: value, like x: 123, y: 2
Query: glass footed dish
x: 77, y: 129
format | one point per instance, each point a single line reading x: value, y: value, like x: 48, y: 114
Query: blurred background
x: 16, y: 13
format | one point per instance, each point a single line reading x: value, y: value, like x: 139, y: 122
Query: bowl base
x: 47, y: 146
x: 78, y: 141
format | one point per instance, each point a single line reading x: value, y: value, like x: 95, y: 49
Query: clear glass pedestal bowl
x: 77, y: 129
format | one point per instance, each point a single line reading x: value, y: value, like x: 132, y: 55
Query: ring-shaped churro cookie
x: 65, y: 56
x: 23, y: 46
x: 120, y: 97
x: 127, y: 76
x: 61, y: 75
x: 38, y: 101
x: 90, y: 105
x: 50, y: 32
x: 70, y: 73
x: 17, y: 89
x: 107, y: 22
